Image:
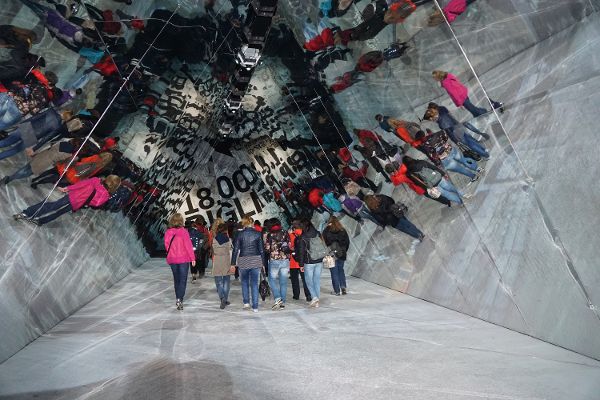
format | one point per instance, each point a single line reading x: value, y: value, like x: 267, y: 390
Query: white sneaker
x: 317, y: 304
x: 246, y: 306
x: 255, y: 310
x: 314, y: 302
x: 277, y: 304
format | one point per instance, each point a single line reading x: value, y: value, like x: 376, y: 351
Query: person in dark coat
x: 312, y: 266
x: 337, y: 240
x: 388, y: 213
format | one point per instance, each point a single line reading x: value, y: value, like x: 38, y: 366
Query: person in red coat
x: 91, y: 192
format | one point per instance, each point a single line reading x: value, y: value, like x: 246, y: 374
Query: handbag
x: 263, y: 288
x: 398, y: 210
x: 329, y: 261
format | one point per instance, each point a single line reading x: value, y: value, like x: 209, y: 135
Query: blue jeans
x: 9, y: 112
x: 457, y: 162
x: 21, y: 173
x: 223, y: 284
x: 338, y: 276
x: 473, y: 129
x: 404, y: 225
x: 180, y: 273
x: 312, y: 274
x: 14, y: 142
x: 49, y: 211
x: 475, y: 146
x: 473, y: 109
x: 249, y: 277
x: 279, y: 271
x: 450, y: 191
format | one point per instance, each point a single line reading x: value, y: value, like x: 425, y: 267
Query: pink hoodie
x: 457, y: 91
x: 181, y: 250
x: 454, y: 9
x: 81, y: 191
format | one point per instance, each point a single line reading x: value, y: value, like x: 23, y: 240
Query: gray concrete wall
x: 522, y: 253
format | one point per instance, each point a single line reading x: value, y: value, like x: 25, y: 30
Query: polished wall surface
x: 522, y: 252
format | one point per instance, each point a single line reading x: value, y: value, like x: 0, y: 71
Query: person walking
x: 459, y: 93
x: 221, y: 268
x: 180, y: 253
x: 296, y: 272
x: 91, y: 192
x: 310, y: 250
x: 277, y: 246
x: 249, y: 256
x: 337, y: 240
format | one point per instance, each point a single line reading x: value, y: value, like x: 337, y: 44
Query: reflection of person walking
x: 459, y: 93
x: 180, y: 253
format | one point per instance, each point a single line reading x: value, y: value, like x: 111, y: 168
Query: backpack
x: 316, y: 248
x: 429, y: 176
x: 280, y: 242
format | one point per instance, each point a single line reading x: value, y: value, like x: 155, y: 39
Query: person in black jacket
x: 309, y: 253
x: 199, y: 236
x: 388, y: 213
x: 337, y: 240
x: 249, y: 256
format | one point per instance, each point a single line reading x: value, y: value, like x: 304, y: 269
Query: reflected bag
x: 398, y: 210
x: 328, y: 262
x: 263, y: 287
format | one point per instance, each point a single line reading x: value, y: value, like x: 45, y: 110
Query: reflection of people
x: 180, y: 253
x: 459, y: 93
x: 91, y: 192
x: 451, y: 11
x: 456, y: 131
x: 249, y: 256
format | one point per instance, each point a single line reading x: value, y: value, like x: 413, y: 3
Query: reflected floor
x: 130, y: 343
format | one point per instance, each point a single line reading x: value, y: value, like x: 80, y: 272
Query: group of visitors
x: 250, y: 250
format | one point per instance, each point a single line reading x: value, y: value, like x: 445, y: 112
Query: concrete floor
x: 130, y: 343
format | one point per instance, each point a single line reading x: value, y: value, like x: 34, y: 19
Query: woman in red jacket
x: 180, y: 253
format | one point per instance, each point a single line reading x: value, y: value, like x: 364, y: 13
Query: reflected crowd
x: 73, y: 148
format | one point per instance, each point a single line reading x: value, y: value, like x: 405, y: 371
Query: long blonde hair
x: 215, y: 226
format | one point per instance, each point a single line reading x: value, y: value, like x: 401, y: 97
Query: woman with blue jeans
x: 337, y: 240
x: 221, y: 269
x: 432, y: 179
x: 249, y: 256
x: 278, y: 248
x: 180, y: 253
x: 35, y: 131
x: 9, y: 112
x: 457, y: 162
x: 310, y: 263
x: 455, y: 130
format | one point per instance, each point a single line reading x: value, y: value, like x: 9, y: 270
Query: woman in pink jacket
x: 459, y: 93
x: 180, y: 253
x: 452, y: 10
x: 91, y: 192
